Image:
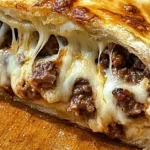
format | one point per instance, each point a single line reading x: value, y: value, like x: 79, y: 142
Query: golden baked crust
x: 133, y: 15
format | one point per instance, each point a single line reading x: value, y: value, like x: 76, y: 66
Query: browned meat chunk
x: 118, y: 59
x: 82, y: 98
x: 131, y: 75
x: 126, y: 101
x: 44, y: 75
x: 27, y: 92
x: 124, y: 64
x: 104, y: 63
x: 115, y: 130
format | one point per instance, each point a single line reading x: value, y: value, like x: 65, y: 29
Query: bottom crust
x: 59, y: 110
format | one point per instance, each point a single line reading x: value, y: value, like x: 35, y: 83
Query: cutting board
x: 22, y: 128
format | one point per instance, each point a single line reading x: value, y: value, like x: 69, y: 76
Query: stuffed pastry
x: 87, y: 61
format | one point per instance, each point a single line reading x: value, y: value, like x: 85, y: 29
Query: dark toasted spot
x: 131, y: 9
x: 137, y: 22
x: 135, y: 19
x: 82, y: 14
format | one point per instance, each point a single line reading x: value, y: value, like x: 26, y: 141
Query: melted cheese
x: 78, y: 62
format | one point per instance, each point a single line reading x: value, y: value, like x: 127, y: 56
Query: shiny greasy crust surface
x: 114, y: 16
x: 133, y: 14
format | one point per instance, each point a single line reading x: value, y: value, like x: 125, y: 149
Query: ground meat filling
x: 124, y: 64
x: 115, y: 130
x: 82, y: 101
x: 44, y: 75
x: 27, y: 92
x: 126, y: 101
x: 51, y: 47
